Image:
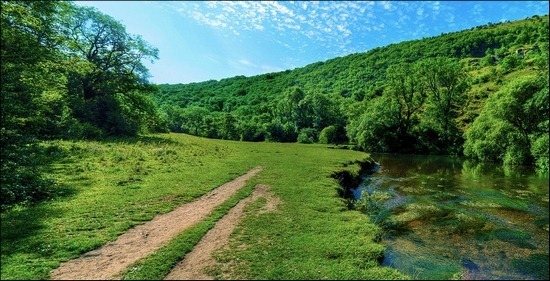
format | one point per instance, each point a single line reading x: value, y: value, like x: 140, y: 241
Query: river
x: 449, y: 218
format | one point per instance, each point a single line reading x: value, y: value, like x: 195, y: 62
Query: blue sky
x: 205, y: 40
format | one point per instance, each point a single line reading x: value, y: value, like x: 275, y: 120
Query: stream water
x: 448, y: 218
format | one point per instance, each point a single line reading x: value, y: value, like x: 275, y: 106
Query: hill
x: 357, y: 99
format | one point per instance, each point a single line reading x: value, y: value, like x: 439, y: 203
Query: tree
x: 33, y: 95
x: 117, y: 77
x: 194, y: 119
x: 253, y: 128
x: 288, y: 108
x: 228, y: 127
x: 319, y: 111
x: 407, y: 92
x: 32, y: 80
x: 375, y: 129
x: 281, y: 132
x: 446, y: 85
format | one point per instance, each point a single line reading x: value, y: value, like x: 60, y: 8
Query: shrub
x: 307, y: 135
x: 20, y: 178
x: 540, y: 152
x: 328, y: 135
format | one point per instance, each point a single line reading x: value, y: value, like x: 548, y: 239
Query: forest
x: 71, y: 72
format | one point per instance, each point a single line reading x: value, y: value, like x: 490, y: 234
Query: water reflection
x: 446, y: 217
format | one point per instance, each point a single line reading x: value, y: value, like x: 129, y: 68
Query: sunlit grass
x: 107, y: 187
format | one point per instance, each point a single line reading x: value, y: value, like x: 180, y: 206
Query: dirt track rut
x: 113, y: 258
x: 195, y: 262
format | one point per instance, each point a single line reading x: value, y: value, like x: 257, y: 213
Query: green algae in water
x: 499, y: 197
x: 419, y: 264
x: 517, y: 237
x: 462, y: 224
x: 536, y: 266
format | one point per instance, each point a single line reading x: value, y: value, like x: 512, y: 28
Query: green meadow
x: 104, y: 188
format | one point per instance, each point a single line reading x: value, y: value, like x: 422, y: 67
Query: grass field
x: 104, y: 188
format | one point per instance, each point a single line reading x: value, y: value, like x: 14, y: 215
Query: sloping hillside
x: 358, y: 74
x: 327, y: 101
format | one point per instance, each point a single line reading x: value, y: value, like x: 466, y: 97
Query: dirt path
x: 114, y: 257
x: 195, y: 262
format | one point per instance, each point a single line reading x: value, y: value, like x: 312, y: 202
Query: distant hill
x: 296, y: 105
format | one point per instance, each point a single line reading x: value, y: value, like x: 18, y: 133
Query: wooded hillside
x: 418, y: 96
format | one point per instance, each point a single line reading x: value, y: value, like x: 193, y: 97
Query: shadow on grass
x: 20, y: 225
x: 26, y: 232
x: 22, y: 221
x: 41, y: 160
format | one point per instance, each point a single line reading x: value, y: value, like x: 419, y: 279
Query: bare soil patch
x: 113, y: 258
x: 193, y: 266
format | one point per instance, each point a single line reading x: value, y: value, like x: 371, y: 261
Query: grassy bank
x: 107, y: 187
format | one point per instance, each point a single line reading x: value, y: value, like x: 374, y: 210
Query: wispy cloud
x: 246, y: 63
x: 321, y: 21
x: 387, y: 5
x: 336, y: 27
x: 246, y: 66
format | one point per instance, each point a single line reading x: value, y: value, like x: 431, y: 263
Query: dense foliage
x: 513, y: 126
x: 418, y: 96
x: 67, y: 72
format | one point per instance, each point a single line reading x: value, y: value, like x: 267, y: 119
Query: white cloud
x: 246, y: 62
x: 387, y: 5
x: 450, y: 18
x: 269, y: 68
x: 478, y: 9
x: 435, y: 8
x: 228, y: 9
x: 320, y: 22
x: 337, y: 24
x: 212, y: 58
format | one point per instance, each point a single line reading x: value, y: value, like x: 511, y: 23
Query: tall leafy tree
x: 228, y: 127
x: 319, y: 111
x: 67, y: 71
x: 33, y: 91
x: 407, y: 92
x: 446, y: 83
x: 32, y: 79
x: 289, y: 109
x: 376, y: 128
x: 194, y: 120
x: 117, y: 77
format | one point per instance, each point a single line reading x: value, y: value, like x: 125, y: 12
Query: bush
x: 85, y: 131
x: 540, y: 151
x: 307, y: 135
x: 278, y: 132
x: 517, y: 154
x: 328, y: 135
x: 250, y: 131
x: 20, y: 177
x: 511, y: 62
